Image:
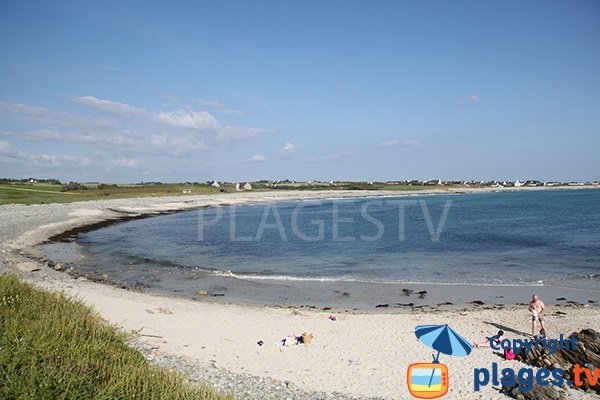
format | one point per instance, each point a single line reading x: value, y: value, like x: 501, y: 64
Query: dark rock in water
x: 478, y: 302
x: 447, y: 303
x: 407, y: 291
x: 560, y: 313
x: 345, y: 294
x: 561, y: 299
x: 422, y: 296
x: 382, y: 305
x: 422, y: 292
x: 591, y: 302
x: 218, y: 294
x: 405, y: 304
x: 585, y: 355
x: 326, y: 308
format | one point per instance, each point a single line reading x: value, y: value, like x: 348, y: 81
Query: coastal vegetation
x: 34, y: 191
x: 54, y: 347
x: 43, y: 192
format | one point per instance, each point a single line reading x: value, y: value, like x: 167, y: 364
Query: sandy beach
x: 363, y: 353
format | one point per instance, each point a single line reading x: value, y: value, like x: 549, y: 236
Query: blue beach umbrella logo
x: 443, y: 339
x: 430, y: 380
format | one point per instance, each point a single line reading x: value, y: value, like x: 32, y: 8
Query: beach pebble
x: 202, y: 293
x: 27, y: 267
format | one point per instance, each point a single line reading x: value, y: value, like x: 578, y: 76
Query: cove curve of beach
x: 364, y: 353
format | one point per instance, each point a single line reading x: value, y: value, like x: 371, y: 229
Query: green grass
x: 40, y: 193
x: 54, y: 347
x: 24, y: 193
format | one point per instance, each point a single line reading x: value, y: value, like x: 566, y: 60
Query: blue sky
x: 127, y: 91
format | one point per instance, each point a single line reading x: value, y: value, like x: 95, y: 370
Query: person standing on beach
x: 537, y: 308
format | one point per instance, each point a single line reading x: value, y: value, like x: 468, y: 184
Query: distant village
x: 225, y: 186
x: 517, y: 183
x: 288, y: 184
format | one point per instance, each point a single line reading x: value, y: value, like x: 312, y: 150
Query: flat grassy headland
x: 40, y: 193
x: 44, y: 192
x: 54, y: 347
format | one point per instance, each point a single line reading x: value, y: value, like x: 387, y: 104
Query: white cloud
x: 51, y: 160
x: 46, y: 135
x: 127, y: 128
x: 288, y: 147
x: 5, y: 147
x: 123, y: 163
x: 10, y: 154
x: 287, y: 151
x: 111, y: 106
x: 186, y: 119
x: 110, y: 68
x: 391, y: 143
x: 47, y: 117
x: 400, y: 143
x: 257, y: 158
x: 8, y: 151
x: 474, y: 98
x: 342, y: 156
x: 216, y: 106
x: 411, y: 143
x: 181, y: 118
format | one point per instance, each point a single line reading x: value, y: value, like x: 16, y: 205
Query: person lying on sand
x: 496, y: 339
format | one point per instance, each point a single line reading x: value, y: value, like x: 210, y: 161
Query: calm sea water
x: 488, y: 238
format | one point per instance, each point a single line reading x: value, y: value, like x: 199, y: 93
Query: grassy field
x: 40, y: 193
x: 52, y: 347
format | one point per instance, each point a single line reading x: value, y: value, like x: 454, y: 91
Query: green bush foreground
x: 54, y: 347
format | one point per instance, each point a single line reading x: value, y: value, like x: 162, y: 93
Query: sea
x: 535, y: 238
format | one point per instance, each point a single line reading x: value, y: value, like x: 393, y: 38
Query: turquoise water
x: 535, y: 237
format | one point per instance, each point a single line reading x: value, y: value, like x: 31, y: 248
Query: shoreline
x: 364, y: 354
x: 336, y: 295
x: 231, y: 289
x: 339, y: 294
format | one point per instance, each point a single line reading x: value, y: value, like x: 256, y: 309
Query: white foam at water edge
x: 229, y: 274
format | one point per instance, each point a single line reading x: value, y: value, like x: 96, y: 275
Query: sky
x: 173, y: 91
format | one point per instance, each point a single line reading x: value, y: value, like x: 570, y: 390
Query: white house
x: 247, y: 186
x: 215, y: 184
x: 519, y: 183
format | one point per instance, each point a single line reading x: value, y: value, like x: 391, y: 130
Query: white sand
x: 359, y: 354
